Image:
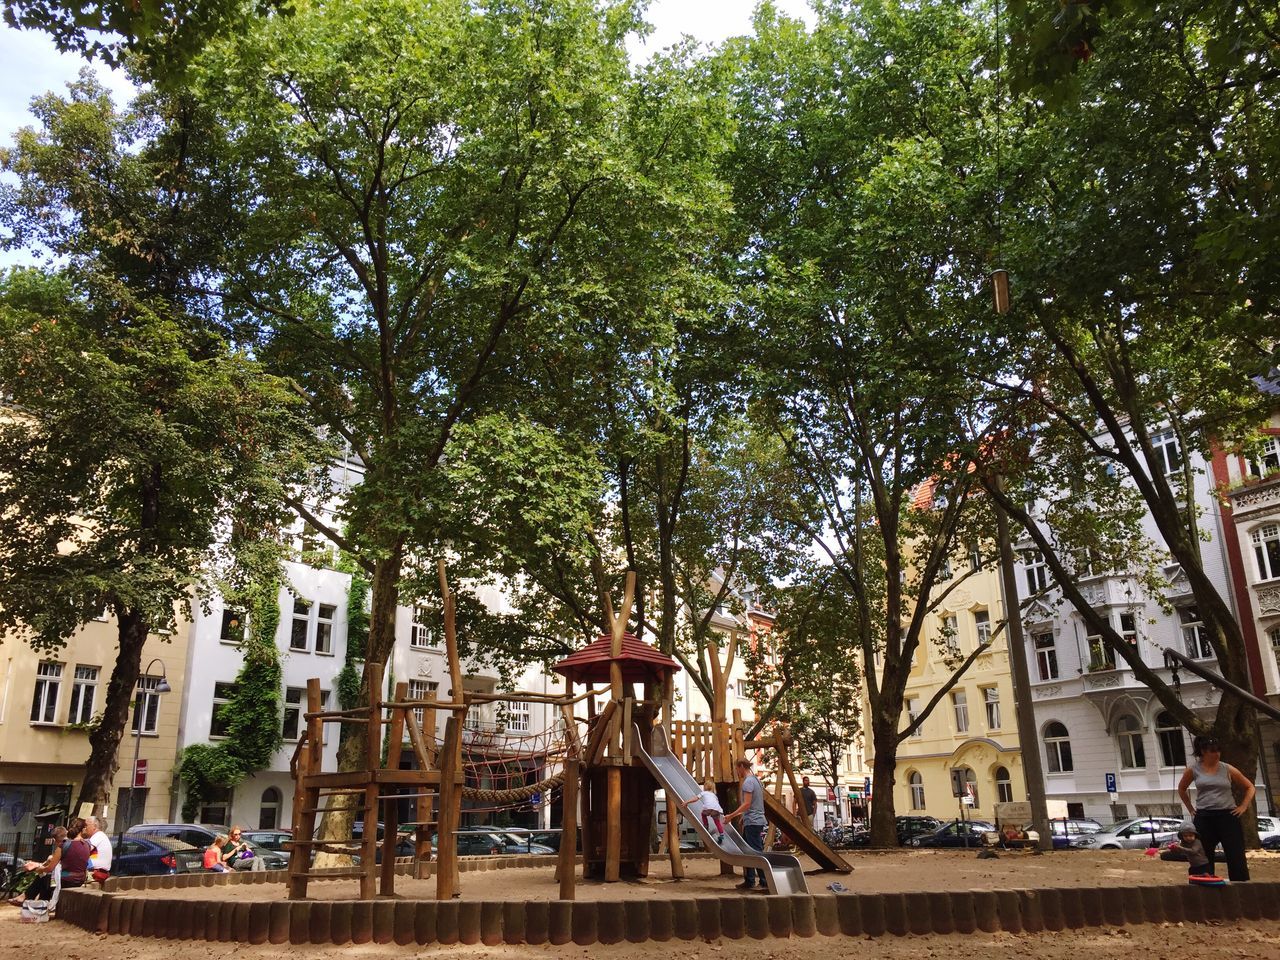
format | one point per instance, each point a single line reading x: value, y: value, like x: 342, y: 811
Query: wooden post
x: 304, y: 827
x: 395, y: 728
x: 449, y: 813
x: 672, y: 836
x: 569, y: 834
x: 373, y: 763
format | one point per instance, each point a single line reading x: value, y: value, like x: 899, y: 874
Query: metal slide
x: 781, y: 870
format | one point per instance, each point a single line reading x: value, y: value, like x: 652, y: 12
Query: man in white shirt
x: 100, y: 859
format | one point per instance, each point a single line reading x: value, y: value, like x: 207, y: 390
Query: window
x: 1168, y: 453
x: 301, y: 624
x: 421, y: 636
x: 1129, y: 629
x: 1046, y: 655
x: 991, y: 696
x: 1266, y: 551
x: 215, y: 807
x: 913, y: 706
x: 83, y: 690
x: 1057, y: 746
x: 1274, y: 636
x: 1194, y: 634
x: 1173, y: 746
x: 1268, y: 458
x: 1129, y: 735
x: 960, y: 704
x: 422, y: 690
x: 518, y: 716
x: 951, y: 635
x: 975, y: 558
x: 944, y: 571
x: 293, y: 698
x: 44, y: 705
x: 917, y: 791
x: 1101, y: 656
x: 982, y: 626
x: 324, y: 627
x: 1004, y: 786
x: 1037, y: 572
x: 269, y: 809
x: 232, y: 626
x: 744, y: 689
x: 146, y: 708
x: 219, y: 723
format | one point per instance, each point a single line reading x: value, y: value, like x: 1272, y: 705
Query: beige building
x: 973, y: 729
x: 47, y: 702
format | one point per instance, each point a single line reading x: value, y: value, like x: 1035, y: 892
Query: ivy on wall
x: 251, y: 717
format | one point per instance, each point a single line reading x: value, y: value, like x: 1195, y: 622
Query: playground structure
x: 609, y: 762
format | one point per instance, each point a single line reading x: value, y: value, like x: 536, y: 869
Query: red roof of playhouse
x: 639, y: 661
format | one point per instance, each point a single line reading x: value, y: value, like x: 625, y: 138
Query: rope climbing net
x: 505, y: 769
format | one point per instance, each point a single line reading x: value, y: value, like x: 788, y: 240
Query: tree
x: 438, y: 195
x: 822, y: 703
x: 1140, y: 312
x: 861, y: 176
x: 157, y: 37
x: 130, y: 443
x: 142, y: 455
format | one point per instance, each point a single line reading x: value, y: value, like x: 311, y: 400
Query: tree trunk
x: 384, y: 598
x: 1240, y: 746
x: 884, y: 829
x: 104, y: 742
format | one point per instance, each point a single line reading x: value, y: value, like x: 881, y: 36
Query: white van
x: 689, y: 838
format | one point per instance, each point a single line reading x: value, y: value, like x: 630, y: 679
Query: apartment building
x: 48, y: 703
x: 1109, y: 748
x: 973, y: 730
x: 1251, y: 488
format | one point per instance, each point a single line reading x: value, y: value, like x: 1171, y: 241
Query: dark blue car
x: 955, y: 834
x: 141, y: 856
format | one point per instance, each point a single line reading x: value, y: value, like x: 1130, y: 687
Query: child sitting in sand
x: 1188, y: 843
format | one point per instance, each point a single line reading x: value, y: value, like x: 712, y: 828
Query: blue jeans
x: 754, y: 835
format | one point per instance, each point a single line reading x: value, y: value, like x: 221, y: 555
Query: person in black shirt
x: 808, y: 805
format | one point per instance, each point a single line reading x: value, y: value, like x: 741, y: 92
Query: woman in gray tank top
x: 1215, y: 812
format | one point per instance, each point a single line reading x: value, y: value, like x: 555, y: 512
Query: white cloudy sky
x: 32, y: 66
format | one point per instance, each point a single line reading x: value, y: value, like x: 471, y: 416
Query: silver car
x: 1138, y: 833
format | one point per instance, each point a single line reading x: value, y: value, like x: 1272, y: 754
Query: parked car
x: 404, y: 840
x: 551, y: 838
x: 473, y: 843
x: 957, y: 833
x: 1066, y: 831
x: 277, y: 841
x: 1137, y: 833
x: 515, y: 843
x: 1268, y: 827
x: 915, y: 826
x: 200, y: 835
x: 143, y: 856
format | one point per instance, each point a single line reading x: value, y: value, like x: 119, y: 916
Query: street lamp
x: 161, y: 687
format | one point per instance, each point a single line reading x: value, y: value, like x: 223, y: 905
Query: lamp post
x: 161, y: 687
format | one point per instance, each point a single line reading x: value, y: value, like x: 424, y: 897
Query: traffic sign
x: 1111, y: 783
x: 140, y: 773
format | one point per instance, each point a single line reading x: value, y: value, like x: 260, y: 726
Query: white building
x: 1097, y: 725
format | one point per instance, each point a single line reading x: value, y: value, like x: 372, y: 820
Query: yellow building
x: 973, y: 729
x: 47, y: 701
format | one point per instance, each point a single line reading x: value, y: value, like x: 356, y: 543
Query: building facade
x: 1110, y: 749
x: 973, y: 730
x: 48, y: 703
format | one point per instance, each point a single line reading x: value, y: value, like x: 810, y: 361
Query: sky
x: 32, y: 66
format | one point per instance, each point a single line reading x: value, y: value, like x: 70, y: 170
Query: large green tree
x: 446, y: 202
x: 142, y: 455
x: 861, y: 174
x: 1140, y: 228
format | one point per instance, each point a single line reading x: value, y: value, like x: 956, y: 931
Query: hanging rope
x: 512, y: 794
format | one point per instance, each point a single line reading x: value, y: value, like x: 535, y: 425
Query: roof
x: 639, y: 660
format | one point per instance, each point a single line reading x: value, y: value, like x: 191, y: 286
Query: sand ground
x: 894, y: 871
x: 1255, y: 941
x: 897, y: 871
